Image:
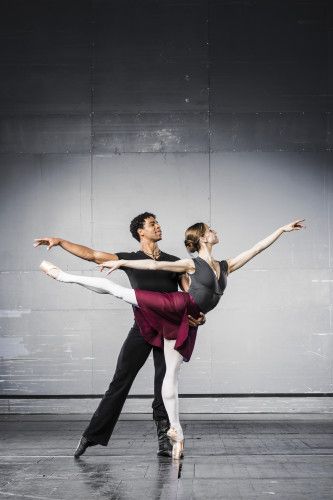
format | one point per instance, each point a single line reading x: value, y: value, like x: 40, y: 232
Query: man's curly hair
x: 138, y: 222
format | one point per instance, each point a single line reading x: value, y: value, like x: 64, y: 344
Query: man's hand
x: 197, y: 322
x: 50, y: 242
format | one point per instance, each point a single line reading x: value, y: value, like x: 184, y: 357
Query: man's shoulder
x: 168, y: 257
x: 130, y: 255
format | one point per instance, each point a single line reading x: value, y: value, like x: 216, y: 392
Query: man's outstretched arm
x: 80, y: 251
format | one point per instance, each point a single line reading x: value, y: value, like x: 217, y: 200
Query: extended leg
x: 101, y: 285
x: 98, y: 285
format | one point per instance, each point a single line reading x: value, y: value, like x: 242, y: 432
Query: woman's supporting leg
x: 98, y: 285
x: 173, y: 361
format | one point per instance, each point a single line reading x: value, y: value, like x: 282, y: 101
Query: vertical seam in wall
x: 328, y: 123
x: 209, y: 131
x: 327, y: 200
x: 209, y: 151
x: 92, y: 91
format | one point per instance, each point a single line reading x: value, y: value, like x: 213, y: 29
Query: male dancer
x: 135, y: 350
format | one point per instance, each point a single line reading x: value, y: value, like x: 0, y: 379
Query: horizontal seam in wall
x: 184, y: 396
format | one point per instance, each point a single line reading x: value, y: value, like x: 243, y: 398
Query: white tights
x: 101, y: 285
x: 173, y: 359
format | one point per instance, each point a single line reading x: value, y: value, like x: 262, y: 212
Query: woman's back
x: 205, y: 288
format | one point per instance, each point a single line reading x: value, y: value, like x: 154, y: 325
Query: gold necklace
x: 152, y: 255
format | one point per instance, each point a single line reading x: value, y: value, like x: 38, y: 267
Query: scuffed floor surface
x: 252, y: 457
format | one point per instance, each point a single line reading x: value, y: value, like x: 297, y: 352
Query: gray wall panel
x: 150, y: 57
x: 328, y: 222
x: 150, y: 133
x: 278, y: 307
x: 269, y: 131
x: 48, y: 89
x: 45, y: 134
x: 34, y: 191
x: 253, y: 194
x: 252, y: 30
x: 256, y: 87
x: 126, y: 185
x: 46, y: 352
x: 284, y: 346
x: 270, y: 56
x: 150, y: 78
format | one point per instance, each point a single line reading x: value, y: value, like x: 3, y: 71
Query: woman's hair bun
x: 193, y: 235
x: 192, y: 245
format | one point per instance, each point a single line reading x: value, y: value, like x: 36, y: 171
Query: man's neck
x: 149, y: 247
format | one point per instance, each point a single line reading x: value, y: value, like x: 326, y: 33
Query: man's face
x: 151, y: 230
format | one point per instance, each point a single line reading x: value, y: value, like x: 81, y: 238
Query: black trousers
x: 132, y: 357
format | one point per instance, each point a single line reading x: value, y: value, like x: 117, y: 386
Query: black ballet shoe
x: 84, y: 443
x: 164, y: 445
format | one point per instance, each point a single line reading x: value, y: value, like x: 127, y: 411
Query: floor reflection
x: 117, y: 476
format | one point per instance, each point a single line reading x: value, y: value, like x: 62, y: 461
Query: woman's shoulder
x: 224, y: 266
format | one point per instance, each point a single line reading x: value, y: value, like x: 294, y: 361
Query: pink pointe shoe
x: 177, y: 443
x: 50, y: 269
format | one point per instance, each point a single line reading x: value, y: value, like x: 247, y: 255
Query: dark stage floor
x: 237, y: 456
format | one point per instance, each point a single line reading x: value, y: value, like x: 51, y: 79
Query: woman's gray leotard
x: 205, y: 288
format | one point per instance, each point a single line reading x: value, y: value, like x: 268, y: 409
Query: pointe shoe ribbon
x: 50, y: 269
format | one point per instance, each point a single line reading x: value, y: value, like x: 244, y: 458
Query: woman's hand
x: 111, y: 264
x: 293, y: 226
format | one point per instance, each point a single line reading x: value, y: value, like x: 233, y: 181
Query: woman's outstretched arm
x: 178, y: 266
x: 244, y: 257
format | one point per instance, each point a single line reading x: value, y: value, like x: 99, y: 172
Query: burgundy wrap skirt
x: 164, y: 315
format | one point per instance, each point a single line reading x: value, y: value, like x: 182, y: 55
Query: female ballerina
x: 162, y: 316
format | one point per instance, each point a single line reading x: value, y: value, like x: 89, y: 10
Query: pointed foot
x: 177, y: 442
x: 50, y: 269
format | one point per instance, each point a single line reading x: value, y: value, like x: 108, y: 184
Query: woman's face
x: 211, y: 236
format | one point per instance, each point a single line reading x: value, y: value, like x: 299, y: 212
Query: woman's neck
x: 205, y: 253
